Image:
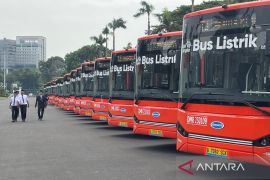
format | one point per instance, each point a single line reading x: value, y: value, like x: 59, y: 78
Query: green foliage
x: 166, y: 22
x: 128, y: 46
x: 86, y: 53
x: 146, y: 8
x: 99, y: 41
x: 116, y: 24
x: 106, y: 32
x: 172, y: 20
x: 28, y: 79
x: 52, y: 68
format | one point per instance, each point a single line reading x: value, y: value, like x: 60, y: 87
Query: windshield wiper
x: 255, y: 107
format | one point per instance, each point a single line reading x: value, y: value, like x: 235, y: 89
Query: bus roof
x: 88, y: 62
x: 228, y: 8
x: 104, y: 59
x: 124, y: 51
x: 176, y: 33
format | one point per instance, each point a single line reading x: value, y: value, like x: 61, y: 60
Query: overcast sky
x: 68, y: 24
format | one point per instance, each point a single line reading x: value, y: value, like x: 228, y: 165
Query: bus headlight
x: 181, y: 130
x: 265, y: 141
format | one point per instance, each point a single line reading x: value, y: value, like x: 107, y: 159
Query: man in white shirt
x: 24, y: 103
x: 14, y: 106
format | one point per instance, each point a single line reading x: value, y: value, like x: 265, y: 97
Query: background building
x: 30, y: 50
x: 7, y: 53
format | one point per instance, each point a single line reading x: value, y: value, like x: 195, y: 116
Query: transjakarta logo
x: 187, y: 167
x: 124, y: 68
x: 158, y: 59
x: 222, y: 43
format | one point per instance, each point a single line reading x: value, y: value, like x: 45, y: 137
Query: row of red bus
x: 208, y: 86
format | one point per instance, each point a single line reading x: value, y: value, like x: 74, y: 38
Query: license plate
x: 216, y: 152
x: 123, y: 124
x: 154, y: 132
x: 102, y: 118
x: 88, y: 114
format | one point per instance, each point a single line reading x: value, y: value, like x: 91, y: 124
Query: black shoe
x: 13, y: 121
x: 23, y: 120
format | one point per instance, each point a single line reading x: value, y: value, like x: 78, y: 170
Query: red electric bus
x: 225, y: 83
x: 87, y: 79
x: 122, y: 88
x: 66, y: 93
x: 72, y: 98
x: 59, y: 93
x: 48, y: 89
x: 156, y: 90
x: 78, y: 91
x: 53, y: 89
x: 101, y: 89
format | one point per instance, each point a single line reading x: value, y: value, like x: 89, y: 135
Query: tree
x: 52, y: 68
x: 106, y: 32
x: 146, y: 8
x: 128, y: 46
x: 166, y: 22
x: 116, y: 24
x: 28, y: 79
x: 86, y: 53
x: 99, y: 41
x: 192, y: 5
x: 173, y: 20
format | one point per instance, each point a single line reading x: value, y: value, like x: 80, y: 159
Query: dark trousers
x: 23, y: 111
x: 15, y: 112
x: 40, y: 112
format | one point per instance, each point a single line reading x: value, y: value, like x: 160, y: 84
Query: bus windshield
x: 78, y: 82
x: 122, y: 70
x: 227, y: 52
x: 158, y: 67
x: 88, y: 77
x: 102, y: 69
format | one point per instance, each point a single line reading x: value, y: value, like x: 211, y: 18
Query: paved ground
x: 67, y: 147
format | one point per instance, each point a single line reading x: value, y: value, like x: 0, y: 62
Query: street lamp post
x: 192, y: 5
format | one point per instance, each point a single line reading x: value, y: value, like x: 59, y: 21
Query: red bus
x: 78, y: 91
x: 122, y: 88
x: 101, y: 89
x: 225, y: 83
x: 66, y: 93
x: 72, y: 99
x: 59, y: 93
x: 53, y: 87
x: 87, y: 79
x: 156, y: 90
x: 48, y: 89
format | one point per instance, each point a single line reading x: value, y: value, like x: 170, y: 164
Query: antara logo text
x: 187, y: 167
x: 222, y: 43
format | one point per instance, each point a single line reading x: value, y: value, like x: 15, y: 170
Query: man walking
x: 41, y: 103
x: 24, y: 103
x: 14, y: 106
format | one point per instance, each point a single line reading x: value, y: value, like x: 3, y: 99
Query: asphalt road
x: 68, y: 147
